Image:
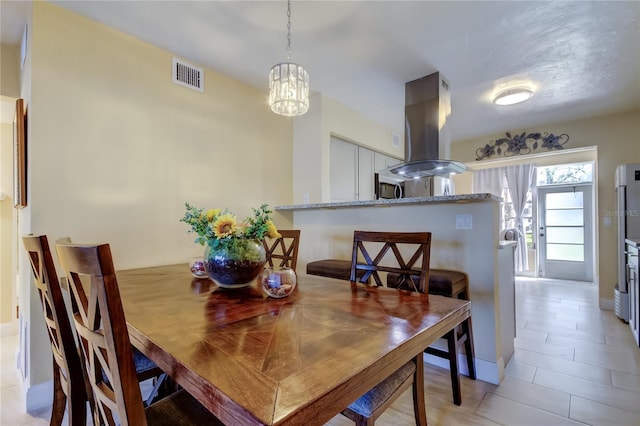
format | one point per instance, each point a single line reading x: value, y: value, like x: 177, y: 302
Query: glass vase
x: 278, y: 282
x: 236, y: 263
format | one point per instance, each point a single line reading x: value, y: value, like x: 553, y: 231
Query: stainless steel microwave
x: 386, y: 190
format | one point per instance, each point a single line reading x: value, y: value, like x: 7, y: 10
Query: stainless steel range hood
x: 427, y: 139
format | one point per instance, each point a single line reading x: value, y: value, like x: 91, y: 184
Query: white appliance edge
x: 628, y: 213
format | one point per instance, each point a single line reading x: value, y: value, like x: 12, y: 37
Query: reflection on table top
x: 301, y: 359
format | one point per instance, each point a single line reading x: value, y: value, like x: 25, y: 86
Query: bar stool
x: 332, y: 268
x: 451, y: 283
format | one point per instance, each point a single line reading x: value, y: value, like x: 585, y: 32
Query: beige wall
x: 617, y: 138
x: 115, y: 148
x: 9, y: 70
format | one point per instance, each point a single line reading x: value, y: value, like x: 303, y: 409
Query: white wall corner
x: 606, y: 304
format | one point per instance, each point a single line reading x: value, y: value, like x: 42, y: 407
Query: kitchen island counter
x: 463, y: 198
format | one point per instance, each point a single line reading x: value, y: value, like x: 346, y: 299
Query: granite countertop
x: 462, y: 198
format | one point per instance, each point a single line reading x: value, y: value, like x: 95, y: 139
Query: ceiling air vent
x: 188, y: 75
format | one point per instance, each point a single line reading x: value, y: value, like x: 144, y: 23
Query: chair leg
x: 155, y: 392
x: 468, y: 343
x: 468, y: 348
x: 419, y: 406
x: 364, y: 421
x: 59, y: 398
x: 452, y: 347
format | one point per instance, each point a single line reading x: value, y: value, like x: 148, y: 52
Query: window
x: 564, y: 174
x: 565, y: 227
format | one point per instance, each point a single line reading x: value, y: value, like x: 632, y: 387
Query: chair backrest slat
x: 413, y: 274
x: 102, y: 328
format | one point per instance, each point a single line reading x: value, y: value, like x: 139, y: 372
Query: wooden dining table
x: 251, y: 359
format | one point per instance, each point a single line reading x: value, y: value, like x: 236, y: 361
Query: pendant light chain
x: 289, y: 83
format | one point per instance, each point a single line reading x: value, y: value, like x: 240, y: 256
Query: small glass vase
x: 278, y: 282
x: 236, y: 263
x: 197, y: 268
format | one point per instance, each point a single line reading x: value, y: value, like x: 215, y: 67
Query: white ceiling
x: 582, y: 58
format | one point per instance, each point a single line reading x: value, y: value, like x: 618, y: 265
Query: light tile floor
x: 573, y: 365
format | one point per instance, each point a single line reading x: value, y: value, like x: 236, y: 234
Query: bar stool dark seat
x: 451, y: 283
x: 332, y: 268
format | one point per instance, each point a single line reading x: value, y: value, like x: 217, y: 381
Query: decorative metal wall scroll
x: 524, y: 143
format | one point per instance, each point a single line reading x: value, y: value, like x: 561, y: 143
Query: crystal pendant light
x: 289, y: 83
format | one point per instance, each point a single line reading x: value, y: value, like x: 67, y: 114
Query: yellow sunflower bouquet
x: 220, y: 229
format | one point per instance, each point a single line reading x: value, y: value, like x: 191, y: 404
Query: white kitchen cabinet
x: 352, y: 169
x: 344, y: 169
x: 366, y: 168
x: 383, y: 161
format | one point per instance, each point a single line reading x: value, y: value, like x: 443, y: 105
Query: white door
x: 352, y: 169
x: 565, y: 237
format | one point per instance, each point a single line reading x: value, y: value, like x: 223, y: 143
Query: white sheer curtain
x: 518, y: 182
x: 488, y: 180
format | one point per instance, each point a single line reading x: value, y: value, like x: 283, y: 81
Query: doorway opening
x: 557, y: 221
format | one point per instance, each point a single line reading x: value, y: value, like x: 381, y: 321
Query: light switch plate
x: 464, y: 221
x: 607, y: 221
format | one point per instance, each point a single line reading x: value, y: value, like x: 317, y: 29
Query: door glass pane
x: 563, y: 200
x: 571, y: 252
x: 572, y: 217
x: 565, y: 235
x: 565, y: 173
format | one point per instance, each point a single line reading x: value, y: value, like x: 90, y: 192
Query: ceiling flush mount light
x: 289, y: 83
x: 513, y: 96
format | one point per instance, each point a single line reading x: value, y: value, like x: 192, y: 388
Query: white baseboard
x: 39, y: 396
x: 9, y: 328
x: 606, y: 304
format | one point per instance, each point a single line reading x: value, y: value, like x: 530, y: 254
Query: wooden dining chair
x: 366, y: 409
x: 284, y: 248
x: 102, y: 329
x: 69, y: 386
x: 371, y: 266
